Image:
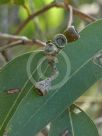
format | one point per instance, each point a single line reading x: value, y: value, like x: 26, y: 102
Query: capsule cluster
x: 60, y: 40
x: 54, y: 46
x: 51, y: 49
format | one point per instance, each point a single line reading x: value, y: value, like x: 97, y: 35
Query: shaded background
x: 44, y: 27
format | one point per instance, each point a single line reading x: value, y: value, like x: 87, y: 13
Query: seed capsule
x: 71, y: 34
x: 50, y: 48
x: 60, y: 41
x: 43, y: 86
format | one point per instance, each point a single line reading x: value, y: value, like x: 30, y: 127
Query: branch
x: 17, y: 40
x: 49, y: 6
x: 44, y: 9
x: 70, y: 16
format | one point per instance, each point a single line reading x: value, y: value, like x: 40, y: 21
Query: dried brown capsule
x: 71, y: 34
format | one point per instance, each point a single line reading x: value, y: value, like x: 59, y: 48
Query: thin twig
x: 36, y: 21
x: 49, y: 6
x: 4, y: 36
x: 17, y: 40
x: 39, y: 12
x: 70, y: 16
x: 2, y: 48
x: 70, y: 9
x: 27, y: 9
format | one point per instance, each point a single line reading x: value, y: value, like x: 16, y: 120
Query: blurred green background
x: 43, y: 27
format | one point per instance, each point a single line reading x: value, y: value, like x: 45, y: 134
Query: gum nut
x: 50, y: 48
x: 71, y: 34
x: 60, y: 41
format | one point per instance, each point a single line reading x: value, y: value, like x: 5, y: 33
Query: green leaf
x: 34, y: 112
x: 14, y: 76
x: 73, y: 122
